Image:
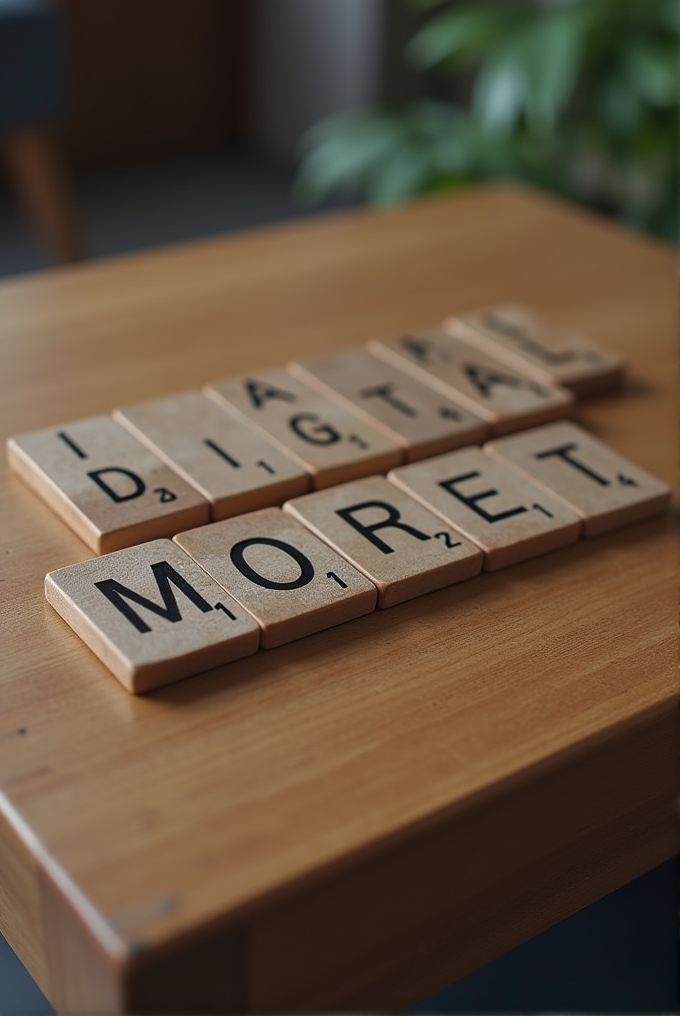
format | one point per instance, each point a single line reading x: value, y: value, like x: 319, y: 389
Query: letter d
x: 139, y: 485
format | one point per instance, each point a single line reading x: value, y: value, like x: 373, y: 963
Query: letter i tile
x: 151, y: 614
x: 327, y: 440
x: 603, y: 487
x: 108, y: 487
x: 290, y: 581
x: 403, y: 548
x: 500, y: 510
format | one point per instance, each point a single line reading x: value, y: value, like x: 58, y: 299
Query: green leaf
x: 557, y: 49
x: 407, y: 173
x: 460, y: 35
x: 652, y: 71
x: 500, y: 91
x: 532, y: 75
x: 340, y: 150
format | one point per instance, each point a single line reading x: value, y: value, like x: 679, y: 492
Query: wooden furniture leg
x: 36, y: 172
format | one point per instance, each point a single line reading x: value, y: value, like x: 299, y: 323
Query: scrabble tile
x: 507, y: 399
x: 151, y: 614
x: 231, y: 464
x: 291, y: 582
x: 108, y: 487
x: 421, y: 420
x: 505, y: 514
x: 603, y: 487
x: 398, y: 544
x: 327, y: 440
x: 540, y: 349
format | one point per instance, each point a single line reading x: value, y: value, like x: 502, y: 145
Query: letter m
x: 164, y: 575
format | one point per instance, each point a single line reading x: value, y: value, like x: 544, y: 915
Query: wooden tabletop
x: 355, y: 819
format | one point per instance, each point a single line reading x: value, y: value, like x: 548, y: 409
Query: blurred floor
x: 617, y: 956
x: 127, y: 210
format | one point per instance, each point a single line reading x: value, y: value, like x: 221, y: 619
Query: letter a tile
x: 108, y: 487
x: 505, y: 514
x: 505, y: 397
x: 291, y: 582
x: 324, y: 437
x: 403, y: 548
x: 603, y: 487
x: 151, y: 614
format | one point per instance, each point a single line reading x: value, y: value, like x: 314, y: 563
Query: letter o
x: 238, y: 559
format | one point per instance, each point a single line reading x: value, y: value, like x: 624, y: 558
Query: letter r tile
x: 290, y: 581
x: 151, y: 614
x: 108, y: 487
x: 607, y: 490
x: 403, y: 548
x: 500, y: 510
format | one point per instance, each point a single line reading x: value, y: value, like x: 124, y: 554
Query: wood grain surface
x: 357, y: 818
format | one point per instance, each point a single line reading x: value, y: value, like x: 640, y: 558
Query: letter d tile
x: 105, y: 484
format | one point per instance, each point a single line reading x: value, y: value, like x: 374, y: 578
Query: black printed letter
x: 471, y: 502
x: 164, y: 574
x: 239, y: 561
x: 319, y: 434
x: 139, y: 489
x: 563, y: 453
x: 259, y: 392
x: 368, y: 531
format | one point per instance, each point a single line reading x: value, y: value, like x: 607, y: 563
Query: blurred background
x: 130, y: 123
x: 126, y: 124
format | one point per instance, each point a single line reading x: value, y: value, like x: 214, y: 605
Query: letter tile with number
x: 413, y: 414
x: 290, y: 581
x: 505, y: 514
x: 403, y: 548
x: 105, y: 484
x: 603, y: 487
x: 151, y: 614
x: 540, y: 349
x: 233, y: 465
x: 324, y: 437
x: 505, y: 397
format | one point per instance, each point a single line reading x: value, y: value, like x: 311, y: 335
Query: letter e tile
x: 291, y: 582
x: 500, y: 510
x: 151, y: 614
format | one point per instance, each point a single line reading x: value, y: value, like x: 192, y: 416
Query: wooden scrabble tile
x: 507, y: 399
x: 501, y: 511
x: 324, y: 437
x: 235, y: 467
x: 417, y: 417
x: 108, y: 487
x: 291, y: 582
x: 540, y: 349
x: 151, y: 614
x: 603, y: 487
x: 398, y: 544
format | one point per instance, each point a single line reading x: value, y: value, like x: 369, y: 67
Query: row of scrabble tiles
x: 164, y: 610
x: 250, y: 442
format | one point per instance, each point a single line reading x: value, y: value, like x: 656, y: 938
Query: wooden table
x: 360, y: 817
